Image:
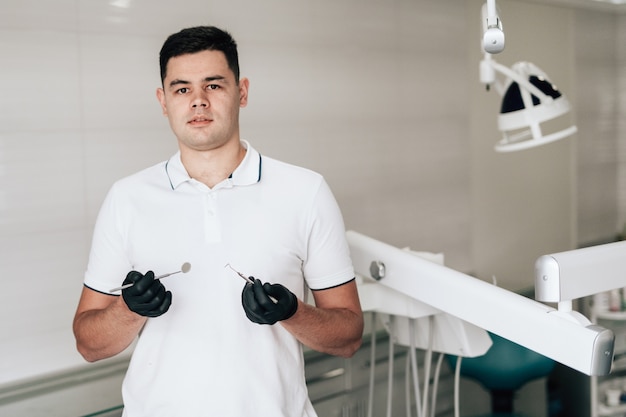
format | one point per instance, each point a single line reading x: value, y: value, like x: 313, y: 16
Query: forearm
x: 104, y: 332
x: 336, y: 331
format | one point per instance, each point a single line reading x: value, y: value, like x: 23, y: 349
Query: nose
x: 199, y: 101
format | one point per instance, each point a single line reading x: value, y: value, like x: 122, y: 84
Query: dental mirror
x: 184, y: 268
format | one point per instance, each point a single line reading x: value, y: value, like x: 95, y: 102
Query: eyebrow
x: 207, y: 79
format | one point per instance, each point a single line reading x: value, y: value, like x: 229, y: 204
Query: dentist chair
x: 503, y: 370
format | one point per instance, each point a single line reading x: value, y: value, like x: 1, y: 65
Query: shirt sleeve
x: 108, y: 263
x: 328, y: 262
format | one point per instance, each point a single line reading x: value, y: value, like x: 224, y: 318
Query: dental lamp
x: 529, y: 99
x: 563, y: 335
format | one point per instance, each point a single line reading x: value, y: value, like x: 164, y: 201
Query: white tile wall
x: 597, y: 111
x: 374, y: 94
x: 621, y: 122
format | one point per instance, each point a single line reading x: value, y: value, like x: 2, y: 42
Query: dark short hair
x: 198, y: 39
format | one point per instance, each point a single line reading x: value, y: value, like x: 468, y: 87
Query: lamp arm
x: 493, y: 36
x: 492, y: 19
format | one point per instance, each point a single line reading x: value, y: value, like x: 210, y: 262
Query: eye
x: 183, y: 90
x: 212, y: 87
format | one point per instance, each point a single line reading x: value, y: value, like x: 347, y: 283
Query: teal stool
x: 504, y: 369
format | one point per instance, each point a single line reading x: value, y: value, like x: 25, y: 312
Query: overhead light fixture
x: 529, y: 99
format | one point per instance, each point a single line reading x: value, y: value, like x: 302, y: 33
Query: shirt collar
x: 247, y: 173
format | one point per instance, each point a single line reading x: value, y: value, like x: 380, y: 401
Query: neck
x: 213, y: 166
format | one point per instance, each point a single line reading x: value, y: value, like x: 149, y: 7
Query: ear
x: 244, y: 84
x: 161, y: 97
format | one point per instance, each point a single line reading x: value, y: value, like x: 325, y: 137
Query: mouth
x: 200, y: 120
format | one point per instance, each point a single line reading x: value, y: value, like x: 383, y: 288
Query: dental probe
x: 239, y: 273
x: 248, y: 279
x: 186, y: 267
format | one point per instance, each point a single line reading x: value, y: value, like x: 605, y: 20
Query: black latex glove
x: 261, y: 309
x: 147, y: 297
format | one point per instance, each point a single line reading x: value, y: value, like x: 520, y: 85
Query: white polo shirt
x: 271, y: 220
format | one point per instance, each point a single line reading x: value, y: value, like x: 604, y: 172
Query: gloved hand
x: 147, y: 297
x: 261, y: 309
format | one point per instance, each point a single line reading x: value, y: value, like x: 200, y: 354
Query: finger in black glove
x: 147, y: 297
x: 259, y: 306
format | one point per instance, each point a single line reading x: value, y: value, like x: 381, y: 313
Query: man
x: 209, y: 343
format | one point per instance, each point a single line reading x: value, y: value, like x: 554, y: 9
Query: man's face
x: 201, y: 100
